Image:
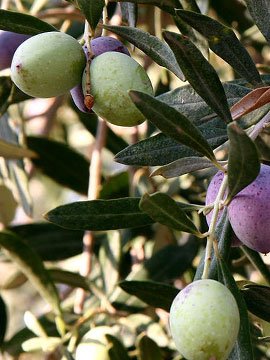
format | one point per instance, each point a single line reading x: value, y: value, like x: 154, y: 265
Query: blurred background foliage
x: 136, y: 327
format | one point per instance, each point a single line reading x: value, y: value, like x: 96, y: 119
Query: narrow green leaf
x: 23, y: 24
x: 147, y: 292
x: 260, y: 12
x: 156, y: 49
x: 100, y: 215
x: 31, y: 265
x: 92, y: 10
x: 182, y: 166
x: 165, y: 5
x: 68, y: 167
x: 116, y: 350
x: 12, y: 151
x: 223, y: 41
x: 4, y: 321
x: 51, y: 242
x: 243, y: 164
x: 172, y: 123
x: 256, y: 260
x: 69, y: 278
x: 163, y: 209
x: 243, y: 347
x: 200, y: 74
x: 148, y: 349
x: 129, y: 13
x: 257, y: 298
x: 159, y: 150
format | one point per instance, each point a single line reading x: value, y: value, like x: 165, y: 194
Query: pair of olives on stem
x: 53, y: 63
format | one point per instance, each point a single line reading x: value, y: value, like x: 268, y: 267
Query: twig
x: 211, y: 236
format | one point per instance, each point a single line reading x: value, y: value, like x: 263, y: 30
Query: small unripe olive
x: 48, y: 64
x: 94, y: 344
x: 204, y: 321
x: 112, y: 75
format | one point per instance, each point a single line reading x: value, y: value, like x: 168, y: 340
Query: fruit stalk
x: 211, y: 235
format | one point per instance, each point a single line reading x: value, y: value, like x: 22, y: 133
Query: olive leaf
x: 223, y: 41
x: 22, y: 23
x: 260, y: 12
x: 172, y: 123
x: 100, y: 215
x: 163, y: 209
x: 200, y: 74
x: 92, y: 10
x: 243, y: 164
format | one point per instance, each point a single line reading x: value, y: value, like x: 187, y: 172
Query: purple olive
x: 249, y: 213
x: 104, y: 44
x: 9, y: 42
x: 211, y: 195
x: 249, y: 210
x: 99, y: 46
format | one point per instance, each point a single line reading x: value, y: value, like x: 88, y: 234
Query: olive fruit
x: 249, y: 213
x: 104, y: 44
x: 94, y: 344
x: 112, y: 75
x: 204, y: 321
x: 48, y: 64
x: 9, y: 42
x: 99, y: 46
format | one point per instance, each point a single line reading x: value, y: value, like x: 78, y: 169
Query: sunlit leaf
x: 11, y: 151
x: 182, y: 166
x: 100, y: 215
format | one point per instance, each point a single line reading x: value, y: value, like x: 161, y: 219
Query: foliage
x: 142, y: 223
